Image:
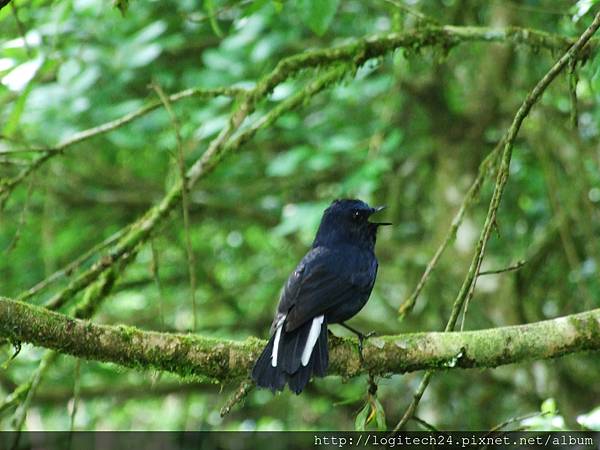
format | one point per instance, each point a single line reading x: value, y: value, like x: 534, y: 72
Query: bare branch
x: 511, y: 268
x: 185, y: 204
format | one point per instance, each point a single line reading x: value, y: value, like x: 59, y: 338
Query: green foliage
x: 317, y: 14
x: 371, y: 414
x: 214, y: 23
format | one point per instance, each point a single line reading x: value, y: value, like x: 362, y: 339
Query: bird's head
x: 347, y: 221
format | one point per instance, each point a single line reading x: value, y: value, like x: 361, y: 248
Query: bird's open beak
x: 376, y: 210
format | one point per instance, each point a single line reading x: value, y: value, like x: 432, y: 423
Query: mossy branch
x: 141, y: 230
x: 8, y: 185
x: 357, y: 52
x: 351, y: 55
x: 85, y: 309
x: 467, y: 289
x: 223, y: 360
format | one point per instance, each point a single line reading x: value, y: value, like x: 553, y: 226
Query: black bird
x: 330, y: 285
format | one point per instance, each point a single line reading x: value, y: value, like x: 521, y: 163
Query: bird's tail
x: 292, y: 357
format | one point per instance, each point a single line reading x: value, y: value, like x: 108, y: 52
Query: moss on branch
x: 350, y: 55
x: 222, y: 360
x: 357, y: 52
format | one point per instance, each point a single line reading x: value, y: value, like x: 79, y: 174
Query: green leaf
x: 380, y: 416
x: 212, y: 17
x: 318, y: 14
x: 549, y: 406
x: 361, y: 419
x: 12, y: 123
x: 285, y: 164
x: 254, y: 7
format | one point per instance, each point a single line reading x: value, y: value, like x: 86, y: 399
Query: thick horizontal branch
x: 221, y: 360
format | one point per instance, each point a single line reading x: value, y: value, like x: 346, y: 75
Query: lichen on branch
x: 220, y: 360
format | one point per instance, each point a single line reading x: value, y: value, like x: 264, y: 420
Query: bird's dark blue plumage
x: 331, y: 284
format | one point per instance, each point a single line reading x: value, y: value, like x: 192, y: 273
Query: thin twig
x: 425, y: 424
x: 184, y: 201
x: 516, y: 419
x: 155, y: 270
x: 500, y: 426
x: 6, y: 186
x: 76, y: 391
x: 358, y: 52
x: 21, y: 412
x: 15, y: 397
x: 408, y: 305
x: 72, y: 266
x: 240, y: 394
x: 468, y: 286
x: 515, y: 266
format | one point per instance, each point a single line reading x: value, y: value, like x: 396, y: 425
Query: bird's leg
x: 361, y: 338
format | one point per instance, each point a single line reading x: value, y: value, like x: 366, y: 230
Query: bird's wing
x: 319, y: 284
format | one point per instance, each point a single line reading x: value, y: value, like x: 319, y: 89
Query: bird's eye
x: 356, y: 214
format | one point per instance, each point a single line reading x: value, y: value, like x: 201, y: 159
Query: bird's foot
x: 361, y: 339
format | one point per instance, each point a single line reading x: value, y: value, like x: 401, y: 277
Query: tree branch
x: 223, y: 360
x: 358, y: 52
x: 141, y: 230
x: 467, y: 288
x: 7, y: 186
x: 408, y: 305
x: 355, y: 53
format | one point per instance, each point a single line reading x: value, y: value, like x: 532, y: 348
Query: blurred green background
x: 408, y: 130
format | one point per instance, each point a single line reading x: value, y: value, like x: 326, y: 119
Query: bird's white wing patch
x: 276, y: 342
x: 313, y: 335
